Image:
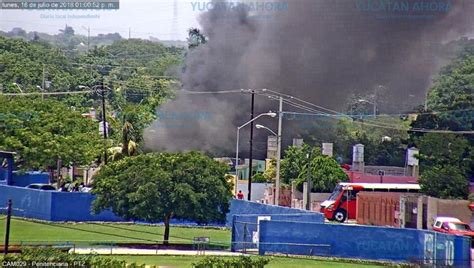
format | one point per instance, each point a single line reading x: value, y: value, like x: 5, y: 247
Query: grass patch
x: 102, y: 233
x: 186, y: 261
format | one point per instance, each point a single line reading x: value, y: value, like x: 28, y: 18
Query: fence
x: 364, y: 242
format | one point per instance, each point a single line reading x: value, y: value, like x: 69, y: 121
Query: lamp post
x: 271, y: 114
x: 277, y: 177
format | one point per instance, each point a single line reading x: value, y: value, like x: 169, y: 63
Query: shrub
x: 30, y: 256
x: 240, y: 262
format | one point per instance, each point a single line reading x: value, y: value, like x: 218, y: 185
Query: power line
x: 189, y: 92
x: 48, y: 93
x: 388, y: 126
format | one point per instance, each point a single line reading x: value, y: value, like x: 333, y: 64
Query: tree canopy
x: 446, y: 160
x: 41, y: 131
x: 158, y: 187
x: 134, y: 72
x: 325, y: 172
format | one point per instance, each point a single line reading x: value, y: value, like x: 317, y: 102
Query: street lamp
x: 278, y: 160
x: 271, y: 114
x: 264, y: 127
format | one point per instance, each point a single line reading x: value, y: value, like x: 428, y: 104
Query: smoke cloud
x: 318, y: 50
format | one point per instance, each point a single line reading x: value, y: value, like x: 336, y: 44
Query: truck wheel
x: 340, y: 215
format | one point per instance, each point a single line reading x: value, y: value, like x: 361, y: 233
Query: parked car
x: 454, y: 226
x: 41, y: 186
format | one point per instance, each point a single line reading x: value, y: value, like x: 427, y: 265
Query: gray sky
x: 144, y: 17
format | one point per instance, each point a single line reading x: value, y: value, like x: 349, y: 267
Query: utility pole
x: 58, y: 172
x: 277, y: 179
x: 251, y: 144
x: 310, y: 185
x: 88, y: 38
x: 375, y: 101
x: 43, y: 82
x: 7, y: 226
x: 129, y: 32
x: 104, y: 120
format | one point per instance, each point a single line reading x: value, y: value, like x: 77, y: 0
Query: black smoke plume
x: 318, y: 50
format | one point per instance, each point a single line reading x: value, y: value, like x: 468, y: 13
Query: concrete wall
x: 25, y: 179
x: 245, y: 228
x: 258, y: 189
x: 52, y: 205
x: 27, y: 203
x: 363, y: 242
x: 243, y: 207
x: 76, y: 207
x: 447, y: 208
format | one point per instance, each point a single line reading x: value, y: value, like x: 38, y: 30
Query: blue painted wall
x: 364, y: 242
x: 242, y: 207
x: 27, y: 203
x: 76, y: 207
x: 25, y: 179
x: 52, y: 205
x: 244, y: 227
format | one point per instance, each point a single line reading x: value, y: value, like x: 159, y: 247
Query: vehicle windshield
x: 335, y: 193
x: 459, y: 226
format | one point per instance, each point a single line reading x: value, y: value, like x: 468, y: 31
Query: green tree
x: 41, y: 131
x: 450, y: 107
x: 325, y: 172
x: 160, y: 187
x: 259, y: 178
x: 445, y: 181
x: 294, y: 162
x: 445, y: 160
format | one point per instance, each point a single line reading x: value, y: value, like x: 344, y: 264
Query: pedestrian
x: 240, y: 195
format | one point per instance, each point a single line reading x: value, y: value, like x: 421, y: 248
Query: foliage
x: 445, y: 181
x: 41, y: 131
x: 295, y: 161
x: 445, y: 159
x: 325, y: 174
x: 159, y: 187
x: 260, y: 178
x: 239, y: 262
x: 134, y: 71
x: 452, y: 98
x: 448, y: 159
x: 444, y: 149
x: 270, y: 171
x: 378, y: 151
x: 55, y: 256
x: 325, y: 171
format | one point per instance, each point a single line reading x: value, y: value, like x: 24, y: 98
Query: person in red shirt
x: 240, y: 195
